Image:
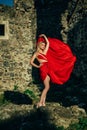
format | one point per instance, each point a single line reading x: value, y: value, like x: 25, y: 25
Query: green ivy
x: 15, y: 87
x: 30, y: 93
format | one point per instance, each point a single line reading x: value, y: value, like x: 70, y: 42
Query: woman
x: 56, y: 63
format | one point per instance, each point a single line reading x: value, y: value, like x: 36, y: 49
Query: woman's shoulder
x: 36, y: 53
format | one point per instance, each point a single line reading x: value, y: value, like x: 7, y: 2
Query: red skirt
x: 60, y: 62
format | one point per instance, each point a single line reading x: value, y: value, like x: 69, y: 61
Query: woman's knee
x: 46, y: 82
x: 47, y: 79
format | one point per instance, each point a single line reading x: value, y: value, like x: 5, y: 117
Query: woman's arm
x: 32, y: 61
x: 47, y: 43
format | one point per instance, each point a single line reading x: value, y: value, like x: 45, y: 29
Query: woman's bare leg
x: 45, y: 90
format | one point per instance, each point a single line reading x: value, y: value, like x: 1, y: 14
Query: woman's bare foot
x: 40, y: 105
x: 43, y: 104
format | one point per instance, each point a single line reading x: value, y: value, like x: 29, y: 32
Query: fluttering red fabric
x: 60, y: 61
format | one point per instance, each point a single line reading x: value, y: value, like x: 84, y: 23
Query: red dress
x: 60, y: 61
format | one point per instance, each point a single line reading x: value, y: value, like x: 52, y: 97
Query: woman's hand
x: 40, y: 65
x: 42, y: 35
x: 46, y: 41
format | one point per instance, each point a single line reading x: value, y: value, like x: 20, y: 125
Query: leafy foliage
x: 81, y: 125
x: 30, y: 93
x: 15, y: 87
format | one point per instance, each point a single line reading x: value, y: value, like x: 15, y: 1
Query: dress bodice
x: 42, y: 56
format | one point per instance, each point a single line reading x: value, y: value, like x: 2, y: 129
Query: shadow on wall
x: 49, y: 16
x: 73, y: 92
x: 17, y: 97
x: 78, y: 43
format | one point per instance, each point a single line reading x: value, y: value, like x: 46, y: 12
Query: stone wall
x: 17, y: 50
x: 65, y: 20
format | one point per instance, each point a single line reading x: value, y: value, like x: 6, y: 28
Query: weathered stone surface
x: 51, y: 114
x: 17, y: 50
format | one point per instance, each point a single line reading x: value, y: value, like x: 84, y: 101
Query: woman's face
x: 42, y: 45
